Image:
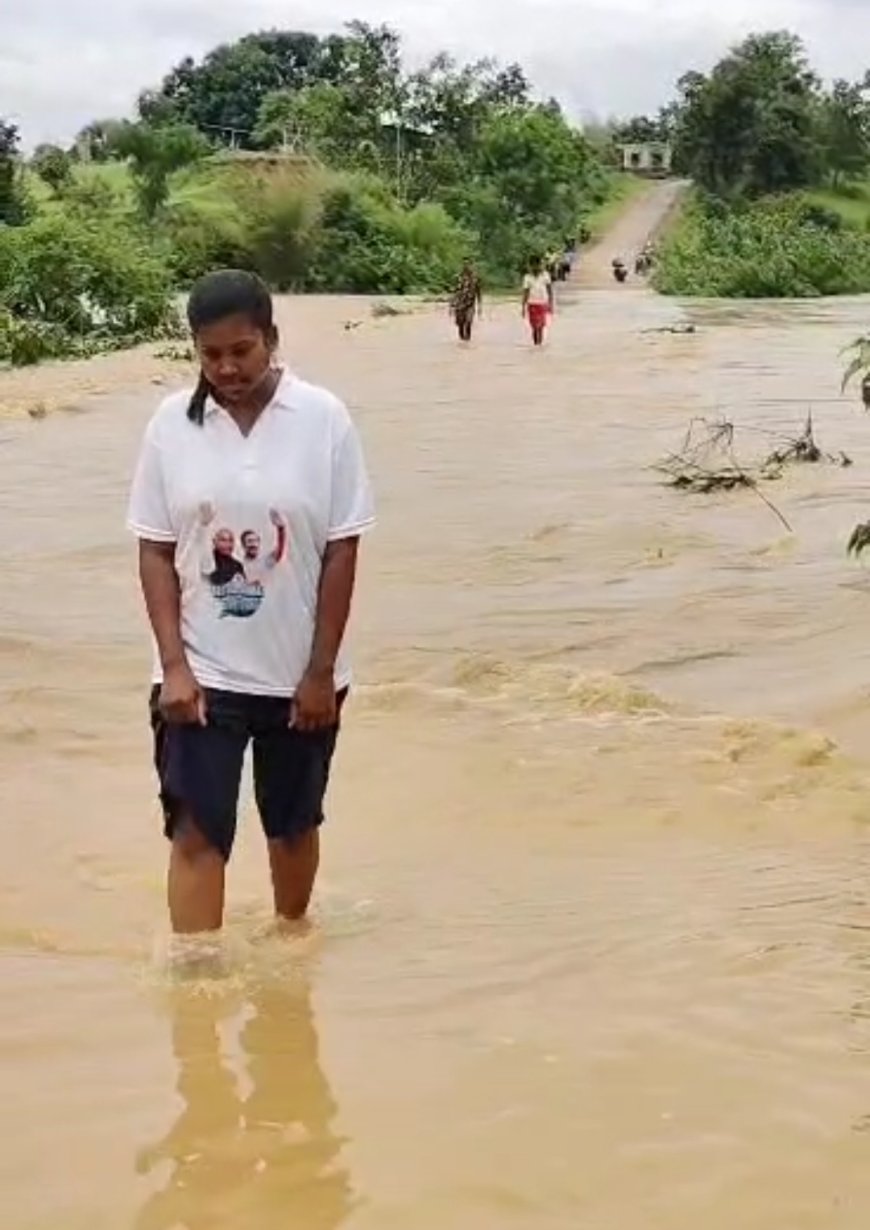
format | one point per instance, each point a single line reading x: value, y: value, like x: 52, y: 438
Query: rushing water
x: 593, y: 943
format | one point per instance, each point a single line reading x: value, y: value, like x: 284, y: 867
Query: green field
x: 851, y: 202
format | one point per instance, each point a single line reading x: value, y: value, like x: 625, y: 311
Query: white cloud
x: 64, y: 62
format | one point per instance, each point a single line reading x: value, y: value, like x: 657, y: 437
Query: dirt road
x: 638, y: 224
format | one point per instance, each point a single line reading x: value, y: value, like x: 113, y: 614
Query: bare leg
x: 197, y: 873
x: 294, y: 870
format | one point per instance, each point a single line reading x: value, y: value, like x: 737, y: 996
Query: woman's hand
x: 182, y: 702
x: 314, y: 706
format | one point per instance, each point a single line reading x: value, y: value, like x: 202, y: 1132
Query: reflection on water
x: 252, y: 1142
x: 591, y: 949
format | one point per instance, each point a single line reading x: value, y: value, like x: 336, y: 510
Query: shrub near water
x: 72, y: 287
x: 205, y: 226
x: 368, y: 243
x: 283, y: 218
x: 781, y: 248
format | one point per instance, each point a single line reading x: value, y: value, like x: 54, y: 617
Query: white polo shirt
x: 251, y: 518
x: 538, y: 287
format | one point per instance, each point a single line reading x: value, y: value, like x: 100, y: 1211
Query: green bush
x: 24, y: 342
x: 69, y: 287
x: 777, y: 248
x: 205, y: 226
x: 283, y: 218
x: 53, y: 165
x: 370, y: 244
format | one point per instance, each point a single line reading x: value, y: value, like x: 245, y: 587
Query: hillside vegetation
x: 320, y: 163
x: 780, y: 165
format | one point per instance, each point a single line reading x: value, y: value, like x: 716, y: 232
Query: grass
x: 850, y: 201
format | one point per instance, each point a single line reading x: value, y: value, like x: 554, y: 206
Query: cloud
x: 65, y: 62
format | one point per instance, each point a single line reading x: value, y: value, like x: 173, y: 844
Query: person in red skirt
x: 538, y: 300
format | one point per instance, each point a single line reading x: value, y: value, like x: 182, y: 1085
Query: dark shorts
x: 200, y: 767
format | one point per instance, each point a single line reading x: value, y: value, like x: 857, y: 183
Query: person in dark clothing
x: 467, y: 300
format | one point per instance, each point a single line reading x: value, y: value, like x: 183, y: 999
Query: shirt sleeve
x: 352, y: 509
x: 148, y: 514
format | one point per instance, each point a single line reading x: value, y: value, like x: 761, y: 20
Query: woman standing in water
x: 253, y: 443
x: 538, y: 302
x: 467, y: 301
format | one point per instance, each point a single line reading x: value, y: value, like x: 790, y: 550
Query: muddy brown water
x: 592, y: 948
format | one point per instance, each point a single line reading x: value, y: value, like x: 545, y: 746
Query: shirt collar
x: 282, y: 398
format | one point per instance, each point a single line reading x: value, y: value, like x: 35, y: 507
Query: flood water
x: 592, y: 948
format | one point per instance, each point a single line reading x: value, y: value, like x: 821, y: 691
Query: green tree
x: 444, y: 107
x: 639, y: 130
x: 538, y: 165
x: 845, y: 131
x: 508, y: 87
x: 12, y: 198
x: 749, y: 128
x: 319, y: 116
x: 94, y: 142
x: 223, y: 95
x: 154, y: 154
x: 53, y: 165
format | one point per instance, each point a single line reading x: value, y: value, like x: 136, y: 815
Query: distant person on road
x: 538, y: 300
x: 467, y: 300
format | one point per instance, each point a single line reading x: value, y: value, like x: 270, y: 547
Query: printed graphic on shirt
x: 237, y: 564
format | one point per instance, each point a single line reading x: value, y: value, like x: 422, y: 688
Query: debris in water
x: 860, y: 540
x: 386, y: 311
x: 802, y: 449
x: 708, y: 462
x: 859, y: 366
x: 38, y: 411
x: 682, y: 330
x: 176, y: 354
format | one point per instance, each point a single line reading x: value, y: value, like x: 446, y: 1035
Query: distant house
x: 647, y: 157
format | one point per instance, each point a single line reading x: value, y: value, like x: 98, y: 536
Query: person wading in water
x: 467, y: 301
x: 239, y: 662
x: 538, y: 301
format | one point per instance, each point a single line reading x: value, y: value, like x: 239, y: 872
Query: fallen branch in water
x: 803, y: 449
x: 707, y: 461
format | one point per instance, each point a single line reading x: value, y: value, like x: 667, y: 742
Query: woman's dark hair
x: 227, y: 292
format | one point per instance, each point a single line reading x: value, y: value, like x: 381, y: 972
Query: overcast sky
x: 65, y: 62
